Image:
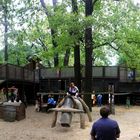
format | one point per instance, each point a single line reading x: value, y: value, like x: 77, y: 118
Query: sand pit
x: 37, y: 126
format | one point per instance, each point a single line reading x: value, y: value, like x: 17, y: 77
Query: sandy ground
x: 37, y: 126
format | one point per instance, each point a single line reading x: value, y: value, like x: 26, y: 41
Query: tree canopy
x: 52, y: 31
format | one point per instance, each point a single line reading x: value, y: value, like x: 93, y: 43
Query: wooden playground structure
x: 30, y: 80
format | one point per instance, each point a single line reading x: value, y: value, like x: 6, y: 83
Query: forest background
x: 52, y: 29
x: 71, y: 33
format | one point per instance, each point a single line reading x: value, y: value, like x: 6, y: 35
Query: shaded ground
x: 36, y: 126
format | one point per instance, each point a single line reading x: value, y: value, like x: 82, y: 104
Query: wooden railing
x: 9, y: 71
x: 13, y: 72
x: 120, y: 73
x: 2, y: 71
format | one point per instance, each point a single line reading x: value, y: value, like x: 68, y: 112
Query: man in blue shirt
x: 105, y: 128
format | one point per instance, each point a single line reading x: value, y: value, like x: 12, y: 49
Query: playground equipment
x: 67, y: 107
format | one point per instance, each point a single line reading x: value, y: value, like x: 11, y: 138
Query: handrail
x: 10, y: 71
x: 16, y: 72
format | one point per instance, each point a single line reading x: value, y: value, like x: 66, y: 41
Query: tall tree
x: 77, y: 64
x: 88, y: 53
x: 53, y: 31
x: 5, y: 24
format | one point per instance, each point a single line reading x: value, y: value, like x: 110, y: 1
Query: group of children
x: 51, y: 103
x: 97, y: 99
x: 9, y: 94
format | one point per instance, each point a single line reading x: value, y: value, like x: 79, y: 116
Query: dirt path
x: 36, y: 126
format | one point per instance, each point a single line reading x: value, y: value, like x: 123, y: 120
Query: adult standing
x: 105, y: 128
x: 99, y: 99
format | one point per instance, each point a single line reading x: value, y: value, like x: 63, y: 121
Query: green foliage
x: 130, y: 51
x: 115, y: 27
x: 1, y: 57
x: 129, y: 39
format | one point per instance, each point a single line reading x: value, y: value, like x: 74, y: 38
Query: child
x: 37, y: 106
x: 51, y: 103
x: 127, y: 102
x: 38, y: 103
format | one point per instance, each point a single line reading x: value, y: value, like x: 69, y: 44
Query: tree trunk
x: 5, y: 32
x: 56, y: 60
x: 88, y: 55
x: 77, y: 66
x: 66, y: 57
x: 56, y: 57
x: 53, y: 32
